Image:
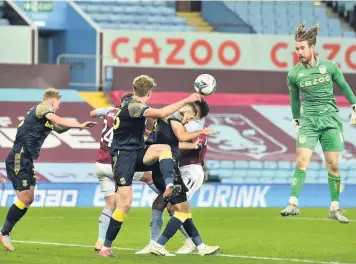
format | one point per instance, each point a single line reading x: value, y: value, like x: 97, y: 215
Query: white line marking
x: 218, y: 255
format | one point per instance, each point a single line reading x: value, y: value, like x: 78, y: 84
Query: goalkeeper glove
x: 353, y: 115
x: 296, y: 124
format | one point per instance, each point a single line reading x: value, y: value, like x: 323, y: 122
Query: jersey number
x: 107, y: 137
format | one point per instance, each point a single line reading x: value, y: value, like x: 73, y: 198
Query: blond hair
x: 51, y: 93
x: 143, y: 84
x: 301, y: 34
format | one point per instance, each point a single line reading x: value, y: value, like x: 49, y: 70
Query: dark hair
x: 203, y: 106
x: 126, y: 99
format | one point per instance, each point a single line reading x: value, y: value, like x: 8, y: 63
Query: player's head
x: 126, y: 99
x: 52, y: 98
x: 143, y: 86
x: 305, y: 42
x: 189, y: 111
x: 202, y: 109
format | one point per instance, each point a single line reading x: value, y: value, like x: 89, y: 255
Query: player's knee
x: 159, y: 204
x: 165, y: 148
x: 170, y: 209
x: 333, y: 167
x: 125, y: 208
x: 302, y: 162
x: 111, y: 203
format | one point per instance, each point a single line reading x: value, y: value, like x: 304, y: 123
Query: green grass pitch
x: 247, y: 236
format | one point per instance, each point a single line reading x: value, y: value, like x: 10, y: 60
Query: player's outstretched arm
x: 170, y: 109
x: 60, y: 129
x: 182, y: 135
x: 100, y: 112
x: 188, y: 145
x: 68, y: 123
x: 339, y: 79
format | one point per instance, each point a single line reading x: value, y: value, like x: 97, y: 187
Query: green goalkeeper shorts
x: 327, y: 129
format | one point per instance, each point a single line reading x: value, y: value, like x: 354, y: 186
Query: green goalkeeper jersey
x: 315, y: 86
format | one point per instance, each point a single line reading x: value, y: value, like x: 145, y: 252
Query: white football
x: 205, y: 84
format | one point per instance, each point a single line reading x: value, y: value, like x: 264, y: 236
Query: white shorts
x: 193, y: 178
x: 106, y: 178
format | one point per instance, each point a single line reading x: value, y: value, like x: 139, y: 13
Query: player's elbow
x: 92, y: 114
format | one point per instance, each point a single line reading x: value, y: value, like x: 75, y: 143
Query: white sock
x: 334, y: 205
x: 201, y: 246
x: 156, y: 244
x: 293, y: 200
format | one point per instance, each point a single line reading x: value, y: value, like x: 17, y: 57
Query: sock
x: 172, y: 227
x: 334, y: 186
x: 104, y: 221
x: 153, y: 188
x: 297, y: 182
x: 156, y: 224
x: 166, y: 165
x: 116, y: 221
x: 182, y: 230
x: 15, y: 213
x: 293, y: 200
x: 193, y: 232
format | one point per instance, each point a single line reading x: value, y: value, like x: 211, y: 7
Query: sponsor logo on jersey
x: 316, y: 81
x: 302, y: 139
x: 237, y: 135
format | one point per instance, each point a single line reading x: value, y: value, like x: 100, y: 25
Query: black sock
x: 171, y: 228
x: 167, y: 169
x: 192, y: 231
x: 111, y: 234
x: 13, y: 216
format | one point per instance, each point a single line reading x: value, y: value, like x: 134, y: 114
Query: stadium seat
x: 144, y: 15
x: 270, y: 17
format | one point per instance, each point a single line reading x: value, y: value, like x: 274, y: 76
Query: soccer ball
x: 205, y: 84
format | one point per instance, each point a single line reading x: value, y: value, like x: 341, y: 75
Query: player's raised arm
x: 294, y: 100
x: 339, y: 79
x: 68, y: 123
x: 170, y: 109
x: 100, y: 112
x: 182, y: 135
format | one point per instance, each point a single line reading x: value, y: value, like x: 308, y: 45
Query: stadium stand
x: 136, y: 15
x: 345, y: 10
x: 273, y: 171
x: 275, y: 17
x: 3, y: 21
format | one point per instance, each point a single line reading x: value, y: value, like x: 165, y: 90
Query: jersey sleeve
x: 137, y: 109
x: 194, y: 125
x: 335, y: 71
x: 42, y: 110
x: 291, y: 82
x: 174, y: 117
x: 102, y: 112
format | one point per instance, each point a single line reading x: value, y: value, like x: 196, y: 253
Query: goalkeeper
x: 312, y: 80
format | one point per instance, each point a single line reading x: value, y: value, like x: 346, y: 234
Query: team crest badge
x: 122, y: 181
x: 302, y: 139
x: 24, y: 183
x: 322, y: 69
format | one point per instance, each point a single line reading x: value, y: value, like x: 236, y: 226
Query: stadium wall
x: 17, y: 44
x: 34, y: 76
x: 217, y: 51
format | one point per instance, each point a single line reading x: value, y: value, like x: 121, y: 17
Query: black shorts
x: 20, y: 171
x: 126, y: 163
x: 158, y: 181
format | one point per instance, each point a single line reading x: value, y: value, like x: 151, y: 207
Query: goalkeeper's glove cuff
x: 353, y: 107
x: 296, y: 122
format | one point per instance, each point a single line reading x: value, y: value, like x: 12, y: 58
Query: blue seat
x: 270, y: 165
x: 241, y: 164
x: 255, y: 165
x: 284, y: 165
x: 92, y: 9
x: 268, y: 173
x: 211, y: 164
x: 118, y: 10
